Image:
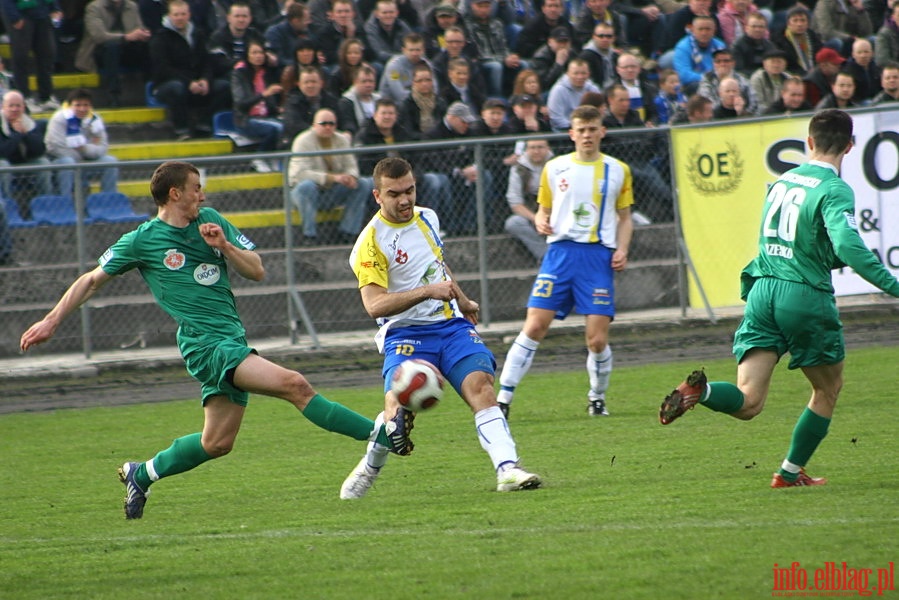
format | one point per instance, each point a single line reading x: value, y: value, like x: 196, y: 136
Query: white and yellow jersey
x: 402, y: 257
x: 584, y: 198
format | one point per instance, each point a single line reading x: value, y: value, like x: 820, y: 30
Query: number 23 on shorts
x: 543, y: 288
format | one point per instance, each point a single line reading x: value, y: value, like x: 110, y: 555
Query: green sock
x: 810, y: 429
x: 335, y: 417
x: 723, y: 397
x: 184, y: 454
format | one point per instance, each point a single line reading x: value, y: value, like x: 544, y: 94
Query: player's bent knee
x: 300, y: 386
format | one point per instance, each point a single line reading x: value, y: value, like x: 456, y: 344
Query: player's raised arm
x: 246, y: 262
x: 78, y: 293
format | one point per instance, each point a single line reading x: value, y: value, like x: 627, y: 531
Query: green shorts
x: 211, y: 360
x: 786, y: 316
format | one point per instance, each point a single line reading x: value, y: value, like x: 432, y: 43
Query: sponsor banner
x: 723, y: 172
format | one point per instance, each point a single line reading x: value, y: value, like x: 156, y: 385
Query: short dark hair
x: 392, y: 167
x: 696, y: 103
x: 80, y: 94
x: 596, y: 99
x: 168, y: 175
x: 586, y: 112
x: 831, y: 129
x: 384, y: 102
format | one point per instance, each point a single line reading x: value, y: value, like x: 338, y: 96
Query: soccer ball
x: 418, y: 384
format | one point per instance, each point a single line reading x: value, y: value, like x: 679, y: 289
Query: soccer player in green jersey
x: 808, y: 229
x: 184, y: 255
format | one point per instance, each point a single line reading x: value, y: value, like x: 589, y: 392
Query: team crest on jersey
x: 402, y: 257
x: 174, y: 259
x: 206, y: 274
x: 563, y: 185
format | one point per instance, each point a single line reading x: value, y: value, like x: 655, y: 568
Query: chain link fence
x: 310, y: 288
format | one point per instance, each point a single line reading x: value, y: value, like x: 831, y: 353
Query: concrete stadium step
x: 68, y: 81
x: 169, y: 150
x: 212, y: 184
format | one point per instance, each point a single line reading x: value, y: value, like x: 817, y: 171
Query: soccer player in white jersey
x: 422, y: 313
x: 584, y: 210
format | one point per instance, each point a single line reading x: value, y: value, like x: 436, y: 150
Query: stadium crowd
x: 458, y: 68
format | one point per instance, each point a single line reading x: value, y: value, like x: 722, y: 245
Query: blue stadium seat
x: 112, y: 207
x: 13, y: 216
x: 149, y: 98
x: 223, y: 127
x: 54, y: 210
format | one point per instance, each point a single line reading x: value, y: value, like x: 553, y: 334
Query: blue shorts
x: 575, y: 275
x: 453, y: 346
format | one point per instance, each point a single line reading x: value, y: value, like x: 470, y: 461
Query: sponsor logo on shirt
x: 206, y: 274
x: 563, y: 185
x: 173, y: 260
x: 402, y: 257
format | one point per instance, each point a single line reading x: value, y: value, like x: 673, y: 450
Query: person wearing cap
x: 396, y: 80
x: 488, y: 34
x: 551, y: 60
x: 536, y: 31
x: 722, y: 68
x: 281, y: 39
x: 840, y: 22
x: 566, y: 94
x: 889, y: 81
x: 601, y: 55
x: 819, y: 80
x: 799, y: 42
x: 841, y: 92
x: 458, y: 164
x: 526, y: 116
x: 438, y: 20
x: 769, y: 78
x: 750, y: 48
x: 864, y: 71
x: 593, y: 13
x: 791, y: 100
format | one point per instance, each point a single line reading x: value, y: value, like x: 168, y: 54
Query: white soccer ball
x: 418, y: 384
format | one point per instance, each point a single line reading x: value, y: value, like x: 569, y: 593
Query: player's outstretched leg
x: 778, y: 481
x: 135, y: 495
x: 363, y: 476
x: 685, y: 397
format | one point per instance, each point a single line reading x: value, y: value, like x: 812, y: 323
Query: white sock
x: 599, y: 369
x: 493, y: 433
x: 518, y: 361
x: 376, y: 454
x: 790, y: 467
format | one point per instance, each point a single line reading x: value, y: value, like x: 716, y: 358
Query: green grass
x: 630, y: 509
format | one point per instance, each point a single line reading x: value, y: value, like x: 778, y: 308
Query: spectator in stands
x: 550, y: 61
x: 840, y: 22
x: 460, y: 88
x: 566, y: 94
x: 731, y: 103
x: 593, y: 13
x: 680, y: 22
x: 864, y: 71
x: 639, y: 152
x: 305, y: 55
x: 699, y: 110
x: 349, y: 59
x: 114, y: 37
x: 422, y: 109
x: 723, y: 67
x: 182, y: 73
x: 228, y: 44
x: 6, y: 79
x: 497, y: 158
x: 820, y: 79
x: 536, y: 31
x: 202, y: 14
x: 281, y: 39
x: 521, y: 195
x: 628, y: 70
x: 841, y: 92
x: 693, y: 53
x: 792, y: 98
x: 646, y: 20
x: 357, y: 105
x: 304, y: 101
x: 767, y: 80
x: 325, y: 181
x: 601, y: 55
x: 407, y: 11
x: 526, y: 116
x: 385, y: 32
x: 733, y: 19
x: 527, y: 82
x: 458, y: 165
x: 76, y: 134
x: 799, y: 42
x: 456, y: 45
x: 437, y: 22
x: 749, y: 49
x: 384, y: 129
x: 396, y: 80
x: 22, y: 143
x: 342, y: 24
x: 29, y: 26
x: 886, y: 45
x: 670, y: 102
x: 488, y: 34
x: 256, y: 90
x: 889, y: 81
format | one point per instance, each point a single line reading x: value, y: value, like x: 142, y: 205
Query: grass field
x: 630, y: 509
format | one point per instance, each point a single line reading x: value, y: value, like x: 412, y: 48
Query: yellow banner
x: 723, y: 171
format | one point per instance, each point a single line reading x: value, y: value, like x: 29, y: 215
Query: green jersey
x: 808, y: 229
x: 188, y: 278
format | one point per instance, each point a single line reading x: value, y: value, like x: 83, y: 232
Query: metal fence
x: 310, y: 288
